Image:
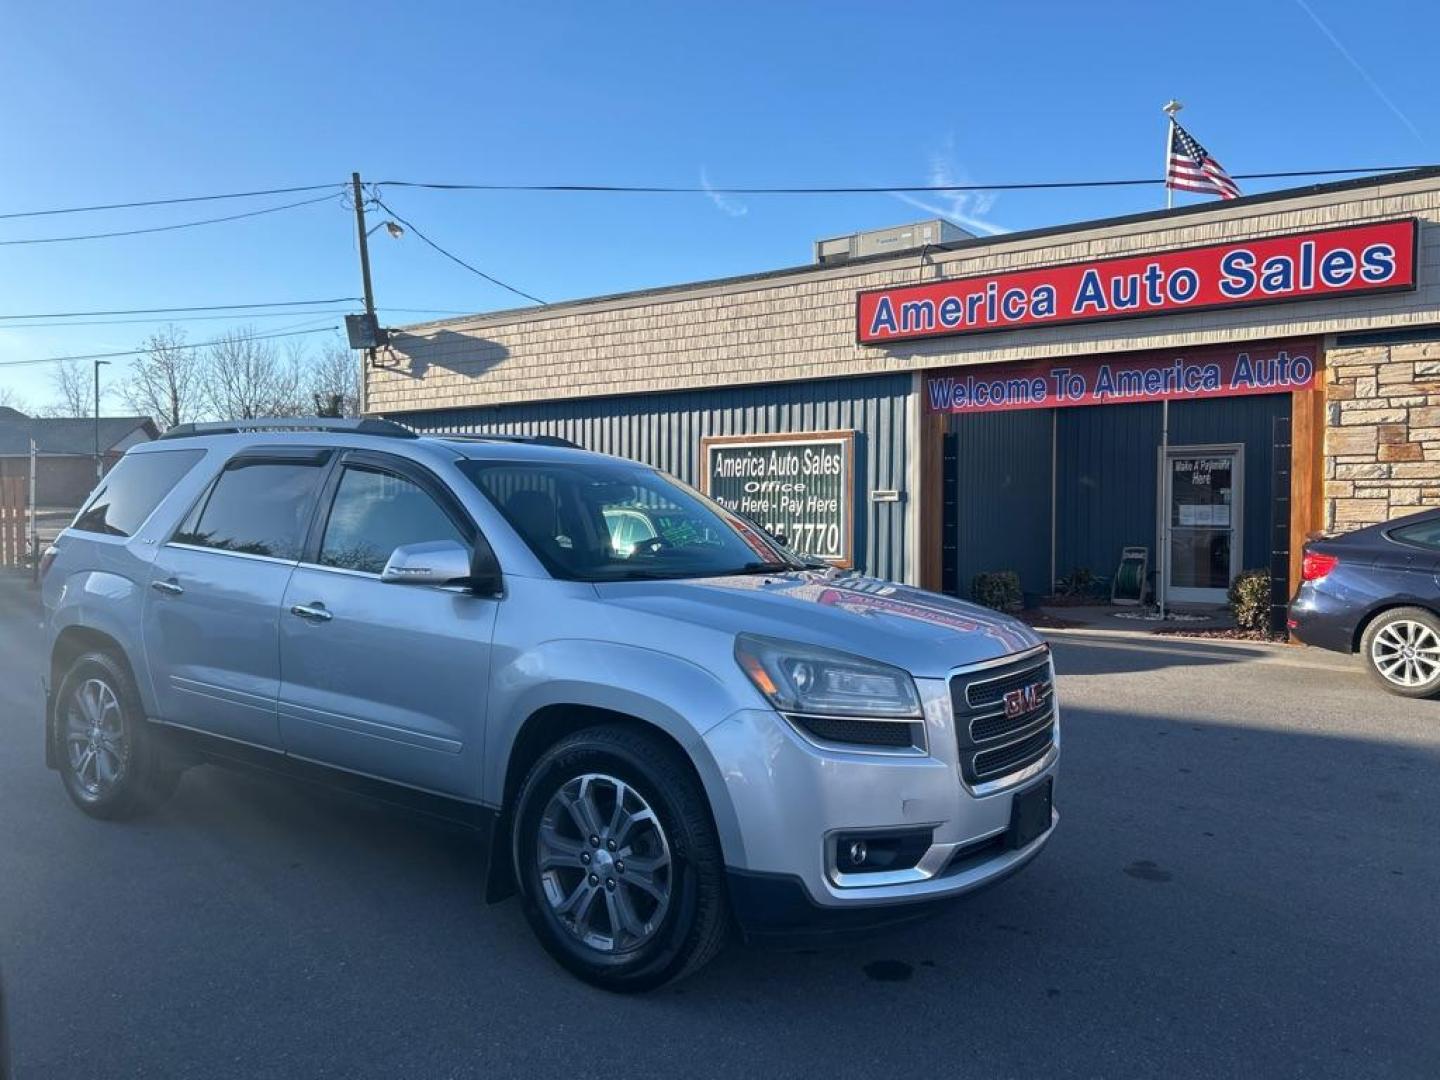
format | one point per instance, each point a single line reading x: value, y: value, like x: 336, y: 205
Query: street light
x: 395, y: 230
x: 99, y: 465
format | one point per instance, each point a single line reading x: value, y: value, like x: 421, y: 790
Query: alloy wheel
x: 96, y: 746
x: 1406, y: 653
x: 604, y: 863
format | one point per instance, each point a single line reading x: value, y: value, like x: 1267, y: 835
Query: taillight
x: 1316, y: 565
x: 48, y: 558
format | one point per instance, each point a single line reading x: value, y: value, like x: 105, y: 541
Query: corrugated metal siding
x: 1106, y: 484
x: 1107, y: 456
x: 1003, y: 496
x: 1105, y: 491
x: 664, y: 430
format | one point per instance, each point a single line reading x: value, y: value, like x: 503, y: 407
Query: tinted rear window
x: 257, y: 508
x: 1426, y: 534
x: 131, y: 490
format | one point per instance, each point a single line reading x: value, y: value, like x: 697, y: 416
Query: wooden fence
x: 14, y: 525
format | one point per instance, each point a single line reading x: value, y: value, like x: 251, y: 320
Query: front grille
x: 997, y: 725
x: 859, y: 732
x: 991, y: 744
x: 1003, y: 760
x: 992, y: 690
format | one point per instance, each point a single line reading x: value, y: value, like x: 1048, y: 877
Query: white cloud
x: 968, y: 209
x: 725, y: 204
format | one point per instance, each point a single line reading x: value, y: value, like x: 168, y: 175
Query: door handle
x: 167, y: 587
x: 314, y: 612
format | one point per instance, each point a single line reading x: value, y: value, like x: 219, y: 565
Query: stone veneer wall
x: 1382, y: 436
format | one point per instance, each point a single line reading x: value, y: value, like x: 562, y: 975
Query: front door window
x: 1202, y: 499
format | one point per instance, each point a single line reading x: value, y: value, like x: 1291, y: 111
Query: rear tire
x: 1402, y: 651
x: 594, y: 800
x: 110, y: 762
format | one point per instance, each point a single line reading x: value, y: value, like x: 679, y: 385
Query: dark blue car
x: 1376, y: 591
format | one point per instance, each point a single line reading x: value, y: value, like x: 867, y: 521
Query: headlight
x: 821, y: 682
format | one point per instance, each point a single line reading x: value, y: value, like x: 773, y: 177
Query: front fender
x: 678, y: 696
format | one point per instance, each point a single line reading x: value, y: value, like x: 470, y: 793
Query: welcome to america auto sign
x: 1377, y: 257
x: 1175, y: 375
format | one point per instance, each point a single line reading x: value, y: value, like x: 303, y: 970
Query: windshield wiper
x: 773, y: 567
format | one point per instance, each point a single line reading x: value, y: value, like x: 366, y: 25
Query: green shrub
x: 1079, y: 582
x: 1250, y: 600
x: 998, y: 589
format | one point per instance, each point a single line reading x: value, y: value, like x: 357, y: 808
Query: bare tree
x: 165, y: 382
x: 245, y: 378
x: 333, y: 381
x: 73, y: 385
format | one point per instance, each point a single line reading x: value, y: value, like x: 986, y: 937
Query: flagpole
x: 1162, y: 560
x: 1170, y: 108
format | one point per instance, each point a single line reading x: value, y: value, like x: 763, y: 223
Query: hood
x: 925, y: 633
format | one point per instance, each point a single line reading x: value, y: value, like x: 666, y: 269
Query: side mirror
x: 435, y: 562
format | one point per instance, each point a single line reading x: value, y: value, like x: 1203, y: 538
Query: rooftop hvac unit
x: 838, y: 249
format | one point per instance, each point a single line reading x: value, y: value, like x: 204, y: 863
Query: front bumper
x: 779, y: 907
x: 790, y: 798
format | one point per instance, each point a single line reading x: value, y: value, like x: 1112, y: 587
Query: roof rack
x: 533, y: 440
x: 363, y: 426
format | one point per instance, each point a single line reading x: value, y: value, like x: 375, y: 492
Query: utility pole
x: 99, y: 462
x: 364, y: 243
x: 368, y: 356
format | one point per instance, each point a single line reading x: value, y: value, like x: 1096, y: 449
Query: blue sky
x: 110, y: 102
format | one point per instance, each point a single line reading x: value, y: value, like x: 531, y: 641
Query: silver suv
x: 660, y: 732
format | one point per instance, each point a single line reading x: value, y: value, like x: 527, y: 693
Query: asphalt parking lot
x: 1244, y: 883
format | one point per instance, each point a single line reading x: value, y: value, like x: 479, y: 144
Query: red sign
x: 1300, y: 266
x: 1209, y: 371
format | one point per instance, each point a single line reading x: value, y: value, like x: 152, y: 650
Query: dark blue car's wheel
x: 1402, y: 650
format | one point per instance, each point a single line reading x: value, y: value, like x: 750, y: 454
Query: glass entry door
x: 1202, y: 504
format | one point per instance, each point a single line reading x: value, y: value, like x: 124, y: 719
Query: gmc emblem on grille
x: 1022, y: 701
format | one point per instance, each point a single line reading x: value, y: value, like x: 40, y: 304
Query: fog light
x: 877, y: 852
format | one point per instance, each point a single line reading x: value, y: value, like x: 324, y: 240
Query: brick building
x: 65, y: 462
x: 1210, y: 383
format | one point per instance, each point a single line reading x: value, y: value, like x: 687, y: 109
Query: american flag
x: 1191, y: 168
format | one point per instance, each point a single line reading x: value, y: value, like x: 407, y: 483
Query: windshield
x: 616, y: 522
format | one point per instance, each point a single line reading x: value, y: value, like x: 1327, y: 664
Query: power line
x: 221, y: 318
x: 165, y: 202
x: 142, y: 352
x: 184, y: 319
x: 456, y: 258
x: 166, y: 228
x: 890, y: 189
x: 199, y: 307
x: 687, y: 190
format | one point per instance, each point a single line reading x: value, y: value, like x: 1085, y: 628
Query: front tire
x: 618, y: 863
x: 1402, y: 650
x: 110, y: 762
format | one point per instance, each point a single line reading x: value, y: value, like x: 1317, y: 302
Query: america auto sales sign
x: 1354, y: 259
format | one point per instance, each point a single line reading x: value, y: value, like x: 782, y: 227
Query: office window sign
x: 797, y: 485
